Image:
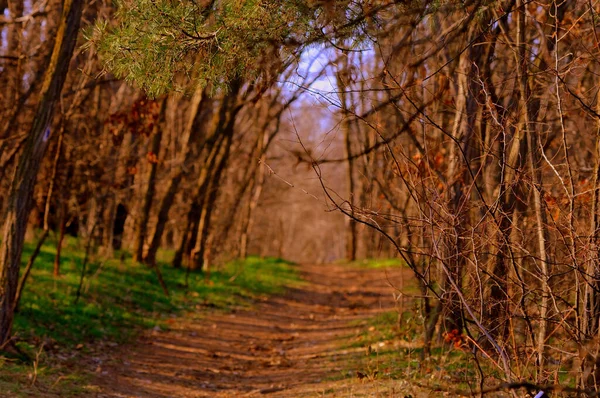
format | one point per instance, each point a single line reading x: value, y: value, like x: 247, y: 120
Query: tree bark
x: 59, y: 243
x: 528, y: 128
x: 223, y: 126
x: 62, y: 218
x: 256, y: 192
x: 143, y: 217
x: 190, y: 235
x: 23, y: 182
x: 343, y: 77
x: 200, y: 250
x: 461, y: 156
x: 194, y: 117
x: 28, y: 269
x: 591, y: 318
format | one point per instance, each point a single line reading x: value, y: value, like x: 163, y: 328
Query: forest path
x: 285, y: 346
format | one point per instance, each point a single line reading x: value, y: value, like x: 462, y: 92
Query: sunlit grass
x: 391, y: 348
x: 119, y: 298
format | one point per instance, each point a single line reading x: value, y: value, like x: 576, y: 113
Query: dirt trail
x: 286, y: 346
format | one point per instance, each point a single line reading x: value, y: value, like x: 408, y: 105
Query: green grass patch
x: 256, y: 275
x: 392, y: 349
x: 381, y: 328
x: 119, y: 298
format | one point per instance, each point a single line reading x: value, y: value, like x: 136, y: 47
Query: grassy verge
x: 393, y: 350
x: 119, y: 298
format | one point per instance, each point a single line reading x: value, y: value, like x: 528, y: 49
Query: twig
x: 36, y: 364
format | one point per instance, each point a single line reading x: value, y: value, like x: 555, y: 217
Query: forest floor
x: 297, y: 344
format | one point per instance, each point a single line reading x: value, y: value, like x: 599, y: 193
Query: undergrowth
x: 392, y: 347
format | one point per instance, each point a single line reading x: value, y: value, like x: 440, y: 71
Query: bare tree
x: 23, y: 181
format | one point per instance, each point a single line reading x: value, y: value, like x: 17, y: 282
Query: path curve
x: 286, y: 346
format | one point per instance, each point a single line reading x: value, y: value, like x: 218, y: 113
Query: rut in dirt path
x: 288, y: 345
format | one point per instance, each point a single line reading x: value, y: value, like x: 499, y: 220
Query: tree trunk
x: 540, y: 217
x: 109, y: 217
x: 59, y: 243
x: 23, y: 182
x: 223, y: 128
x: 342, y: 82
x: 163, y: 217
x: 591, y: 316
x: 12, y: 73
x: 256, y: 192
x: 143, y: 217
x: 196, y: 106
x: 461, y: 156
x: 212, y: 189
x: 190, y: 234
x: 63, y: 210
x: 186, y: 236
x: 351, y: 231
x: 28, y: 269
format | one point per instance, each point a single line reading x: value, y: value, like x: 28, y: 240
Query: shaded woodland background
x: 463, y: 137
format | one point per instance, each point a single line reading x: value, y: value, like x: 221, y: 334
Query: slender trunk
x: 572, y: 243
x: 59, y: 243
x: 28, y: 268
x: 257, y: 187
x: 56, y: 270
x: 196, y: 106
x: 462, y: 130
x: 591, y: 316
x: 351, y: 230
x: 110, y: 217
x: 195, y: 213
x: 200, y: 250
x: 246, y: 222
x: 185, y: 237
x: 88, y: 247
x: 23, y: 182
x: 223, y: 132
x: 511, y: 154
x: 143, y: 217
x: 543, y: 257
x: 531, y: 135
x: 342, y: 80
x: 162, y: 218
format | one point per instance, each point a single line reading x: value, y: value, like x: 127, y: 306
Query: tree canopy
x: 161, y: 44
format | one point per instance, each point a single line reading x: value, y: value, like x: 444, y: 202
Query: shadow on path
x: 284, y: 346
